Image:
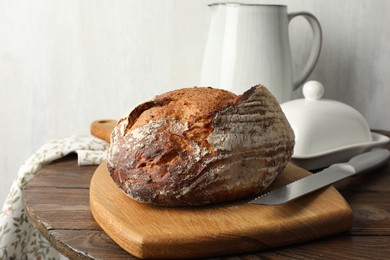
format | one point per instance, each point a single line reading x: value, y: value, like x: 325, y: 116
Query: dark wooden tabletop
x: 57, y: 203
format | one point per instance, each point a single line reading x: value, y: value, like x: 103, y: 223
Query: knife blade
x: 358, y: 164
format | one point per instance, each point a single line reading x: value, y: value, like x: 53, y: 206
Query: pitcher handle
x: 315, y: 50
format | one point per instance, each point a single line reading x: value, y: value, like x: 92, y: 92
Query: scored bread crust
x: 197, y: 146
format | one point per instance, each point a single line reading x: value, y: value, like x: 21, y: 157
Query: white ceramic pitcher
x: 248, y: 44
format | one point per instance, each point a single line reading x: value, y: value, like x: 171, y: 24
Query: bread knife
x: 358, y: 164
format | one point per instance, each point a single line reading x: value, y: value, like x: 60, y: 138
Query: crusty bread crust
x: 197, y: 146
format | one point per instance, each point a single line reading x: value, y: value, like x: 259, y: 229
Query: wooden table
x: 57, y: 203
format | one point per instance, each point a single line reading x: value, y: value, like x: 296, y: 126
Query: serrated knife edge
x: 306, y: 185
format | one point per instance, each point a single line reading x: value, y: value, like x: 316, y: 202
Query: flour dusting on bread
x: 197, y: 146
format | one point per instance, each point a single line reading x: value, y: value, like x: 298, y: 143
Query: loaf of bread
x: 197, y: 146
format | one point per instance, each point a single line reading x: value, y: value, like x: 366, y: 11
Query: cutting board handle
x: 102, y: 128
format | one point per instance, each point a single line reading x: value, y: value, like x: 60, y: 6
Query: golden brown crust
x: 197, y: 146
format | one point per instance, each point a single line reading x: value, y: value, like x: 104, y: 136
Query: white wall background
x: 64, y: 64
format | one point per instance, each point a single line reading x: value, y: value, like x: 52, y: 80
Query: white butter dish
x: 327, y: 131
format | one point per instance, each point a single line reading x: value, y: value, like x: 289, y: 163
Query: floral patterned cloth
x: 18, y: 238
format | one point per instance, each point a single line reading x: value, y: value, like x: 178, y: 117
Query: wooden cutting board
x: 102, y: 128
x: 231, y: 228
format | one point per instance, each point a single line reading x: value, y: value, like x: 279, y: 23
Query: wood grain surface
x: 82, y: 238
x: 102, y: 128
x: 229, y: 228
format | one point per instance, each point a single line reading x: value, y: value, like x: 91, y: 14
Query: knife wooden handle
x: 102, y: 128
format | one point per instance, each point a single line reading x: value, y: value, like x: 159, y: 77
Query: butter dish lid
x: 322, y: 125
